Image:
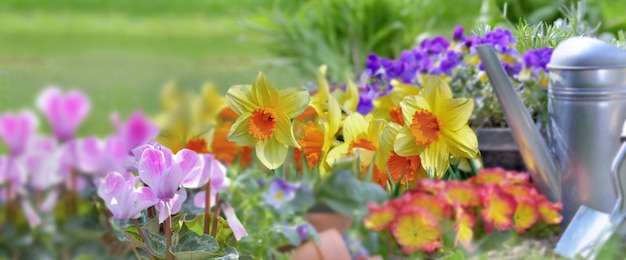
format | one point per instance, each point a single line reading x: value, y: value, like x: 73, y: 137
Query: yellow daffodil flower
x: 264, y: 121
x: 360, y: 136
x: 401, y: 168
x: 388, y: 106
x: 435, y: 127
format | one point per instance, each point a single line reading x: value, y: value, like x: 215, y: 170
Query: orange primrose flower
x: 526, y: 214
x: 432, y: 186
x: 491, y: 176
x: 434, y: 204
x: 380, y: 216
x: 498, y: 210
x: 416, y: 229
x: 463, y: 225
x: 463, y: 192
x: 549, y: 211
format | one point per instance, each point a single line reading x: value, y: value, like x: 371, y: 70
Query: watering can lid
x: 579, y: 53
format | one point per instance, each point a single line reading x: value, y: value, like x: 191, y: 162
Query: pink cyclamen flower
x: 211, y: 169
x: 158, y: 169
x: 167, y: 207
x: 97, y: 156
x: 42, y: 162
x: 233, y: 222
x: 192, y: 166
x: 65, y: 112
x: 123, y: 198
x: 136, y: 131
x: 16, y: 130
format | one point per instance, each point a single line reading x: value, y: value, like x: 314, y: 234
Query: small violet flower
x: 123, y: 198
x: 280, y: 192
x: 64, y: 112
x: 303, y: 231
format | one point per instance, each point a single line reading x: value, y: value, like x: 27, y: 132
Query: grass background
x: 122, y: 52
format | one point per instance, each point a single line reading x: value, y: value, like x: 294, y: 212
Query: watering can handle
x: 618, y: 174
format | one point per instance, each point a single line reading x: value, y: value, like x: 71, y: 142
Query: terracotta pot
x: 323, y: 221
x: 331, y: 247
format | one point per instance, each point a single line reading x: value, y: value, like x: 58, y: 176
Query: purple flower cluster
x: 536, y: 61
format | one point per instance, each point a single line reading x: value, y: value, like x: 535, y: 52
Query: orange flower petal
x: 311, y: 144
x: 463, y: 192
x: 498, y: 210
x: 197, y: 145
x: 409, y: 166
x: 549, y: 211
x: 526, y: 214
x: 464, y: 223
x: 518, y: 177
x: 491, y: 176
x: 520, y: 191
x: 416, y: 229
x: 434, y: 204
x: 432, y: 186
x: 380, y: 217
x: 309, y: 113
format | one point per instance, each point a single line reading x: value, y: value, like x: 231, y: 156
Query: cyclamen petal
x: 158, y: 170
x: 136, y: 131
x: 233, y: 222
x: 219, y: 181
x: 199, y: 200
x: 168, y: 207
x: 16, y: 130
x: 122, y: 198
x: 87, y: 153
x: 193, y: 167
x: 64, y: 112
x: 31, y: 216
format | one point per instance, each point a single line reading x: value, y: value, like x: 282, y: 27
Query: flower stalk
x: 216, y: 215
x: 142, y: 235
x: 207, y: 207
x: 167, y: 226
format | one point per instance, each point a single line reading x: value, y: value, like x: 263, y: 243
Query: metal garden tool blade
x: 590, y: 229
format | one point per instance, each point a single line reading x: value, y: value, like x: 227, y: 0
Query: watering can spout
x: 533, y: 148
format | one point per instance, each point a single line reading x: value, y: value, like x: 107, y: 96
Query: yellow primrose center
x: 425, y: 127
x: 262, y: 123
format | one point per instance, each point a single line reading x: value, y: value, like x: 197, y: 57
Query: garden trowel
x: 590, y: 229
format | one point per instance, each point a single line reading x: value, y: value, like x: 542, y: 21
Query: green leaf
x: 288, y: 232
x: 134, y: 238
x: 229, y: 253
x: 191, y: 246
x: 196, y: 225
x: 177, y: 222
x: 155, y: 244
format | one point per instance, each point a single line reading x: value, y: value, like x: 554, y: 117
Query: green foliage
x: 192, y: 246
x: 346, y: 194
x: 543, y: 34
x: 340, y: 33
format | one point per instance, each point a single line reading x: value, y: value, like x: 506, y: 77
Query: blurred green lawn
x: 121, y: 52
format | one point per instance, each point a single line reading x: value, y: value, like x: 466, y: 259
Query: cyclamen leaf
x: 155, y: 244
x: 177, y: 222
x: 191, y: 246
x: 229, y: 253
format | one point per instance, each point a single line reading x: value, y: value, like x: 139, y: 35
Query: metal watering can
x: 586, y: 110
